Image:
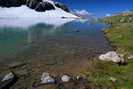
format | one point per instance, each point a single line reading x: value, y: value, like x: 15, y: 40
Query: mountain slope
x: 45, y: 8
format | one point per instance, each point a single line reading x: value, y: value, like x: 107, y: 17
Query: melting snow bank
x: 24, y: 11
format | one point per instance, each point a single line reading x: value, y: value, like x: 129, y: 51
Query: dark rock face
x: 11, y: 3
x: 43, y: 6
x: 62, y: 6
x: 32, y: 3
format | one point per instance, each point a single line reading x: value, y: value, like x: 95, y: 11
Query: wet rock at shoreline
x: 46, y: 78
x: 7, y: 79
x: 65, y: 78
x: 112, y: 56
x: 59, y: 81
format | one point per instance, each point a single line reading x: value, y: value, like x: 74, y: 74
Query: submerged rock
x: 8, y: 77
x: 111, y: 56
x: 65, y: 78
x: 46, y: 78
x: 7, y: 80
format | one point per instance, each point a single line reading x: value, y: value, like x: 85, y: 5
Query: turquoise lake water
x: 73, y: 38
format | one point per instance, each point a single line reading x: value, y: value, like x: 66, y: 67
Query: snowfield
x: 24, y: 11
x: 23, y: 16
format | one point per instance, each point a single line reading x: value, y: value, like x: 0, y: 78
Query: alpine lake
x: 64, y: 48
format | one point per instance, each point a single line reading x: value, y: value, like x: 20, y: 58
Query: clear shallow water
x: 72, y: 39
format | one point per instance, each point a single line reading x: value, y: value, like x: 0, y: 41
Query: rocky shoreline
x: 17, y: 77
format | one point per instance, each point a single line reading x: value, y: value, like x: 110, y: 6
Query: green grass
x: 100, y: 73
x: 120, y: 35
x: 120, y: 32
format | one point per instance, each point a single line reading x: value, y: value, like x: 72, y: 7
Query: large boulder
x: 62, y: 6
x: 43, y: 6
x: 111, y: 56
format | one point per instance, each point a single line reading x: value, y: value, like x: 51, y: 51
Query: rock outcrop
x: 62, y: 6
x: 32, y: 3
x: 43, y: 6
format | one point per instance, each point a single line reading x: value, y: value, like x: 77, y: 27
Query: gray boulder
x: 7, y: 79
x: 46, y: 78
x: 112, y: 56
x: 65, y: 78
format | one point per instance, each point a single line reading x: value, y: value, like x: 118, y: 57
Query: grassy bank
x: 120, y: 35
x: 101, y: 73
